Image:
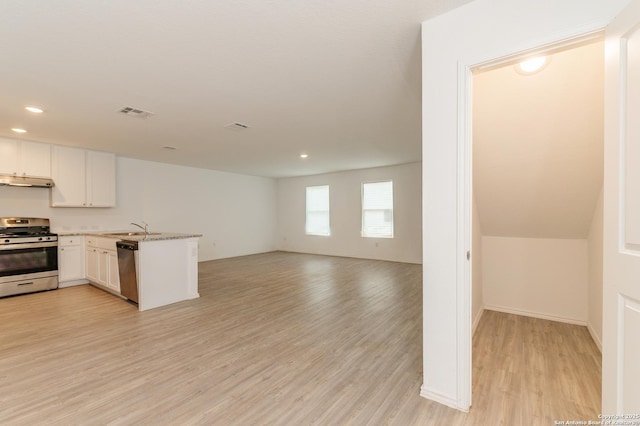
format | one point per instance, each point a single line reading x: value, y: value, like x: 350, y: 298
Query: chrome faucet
x: 145, y: 228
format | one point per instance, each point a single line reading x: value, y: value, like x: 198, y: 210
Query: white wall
x: 235, y: 213
x: 594, y: 321
x: 540, y: 277
x: 345, y: 205
x: 477, y: 32
x: 477, y: 298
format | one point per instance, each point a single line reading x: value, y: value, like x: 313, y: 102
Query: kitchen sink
x: 133, y: 234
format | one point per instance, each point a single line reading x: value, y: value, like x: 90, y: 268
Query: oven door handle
x: 28, y: 245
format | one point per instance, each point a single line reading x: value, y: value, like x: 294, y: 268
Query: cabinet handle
x: 61, y: 249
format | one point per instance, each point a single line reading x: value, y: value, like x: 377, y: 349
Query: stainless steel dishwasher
x: 127, y: 260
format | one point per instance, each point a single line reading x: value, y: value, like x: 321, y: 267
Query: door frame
x: 465, y: 164
x: 478, y: 32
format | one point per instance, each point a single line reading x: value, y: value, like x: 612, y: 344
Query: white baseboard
x: 354, y: 256
x: 594, y: 336
x: 72, y: 283
x: 476, y: 321
x: 535, y: 315
x: 440, y: 399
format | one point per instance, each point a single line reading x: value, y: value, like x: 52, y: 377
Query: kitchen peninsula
x: 167, y: 264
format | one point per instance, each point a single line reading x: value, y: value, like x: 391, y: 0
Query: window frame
x: 328, y: 211
x: 362, y: 210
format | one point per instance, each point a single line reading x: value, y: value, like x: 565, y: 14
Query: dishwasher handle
x: 127, y: 245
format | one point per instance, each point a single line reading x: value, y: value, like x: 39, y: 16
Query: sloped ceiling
x: 338, y: 80
x: 537, y: 142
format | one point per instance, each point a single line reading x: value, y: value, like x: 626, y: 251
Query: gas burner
x: 24, y: 226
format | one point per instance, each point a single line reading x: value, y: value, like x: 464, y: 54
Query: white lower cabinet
x: 70, y: 259
x: 92, y: 264
x: 113, y: 281
x: 102, y: 263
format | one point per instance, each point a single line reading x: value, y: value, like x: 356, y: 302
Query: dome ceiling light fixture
x: 532, y: 65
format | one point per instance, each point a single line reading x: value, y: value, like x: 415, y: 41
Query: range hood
x: 9, y: 180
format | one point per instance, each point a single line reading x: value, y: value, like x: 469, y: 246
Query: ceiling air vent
x: 238, y: 127
x: 135, y: 112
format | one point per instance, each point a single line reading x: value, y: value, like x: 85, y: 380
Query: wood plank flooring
x: 532, y: 371
x: 277, y: 339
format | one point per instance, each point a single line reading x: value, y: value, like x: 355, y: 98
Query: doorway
x: 452, y: 44
x: 537, y: 180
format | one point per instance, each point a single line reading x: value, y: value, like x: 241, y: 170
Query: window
x: 377, y: 209
x: 318, y: 210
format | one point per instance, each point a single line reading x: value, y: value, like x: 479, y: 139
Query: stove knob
x: 40, y: 239
x: 7, y: 241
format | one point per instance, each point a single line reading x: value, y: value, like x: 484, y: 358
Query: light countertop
x: 154, y: 236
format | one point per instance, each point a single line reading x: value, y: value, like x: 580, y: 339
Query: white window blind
x: 377, y: 209
x: 318, y: 210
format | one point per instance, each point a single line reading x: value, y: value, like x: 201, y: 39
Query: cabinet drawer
x: 102, y: 243
x: 68, y: 240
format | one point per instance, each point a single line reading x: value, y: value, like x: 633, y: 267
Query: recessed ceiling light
x: 17, y: 130
x: 34, y: 109
x: 532, y: 65
x: 304, y: 155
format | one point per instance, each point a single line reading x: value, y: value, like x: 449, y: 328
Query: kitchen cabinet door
x: 68, y: 172
x: 70, y: 259
x: 103, y: 267
x: 35, y: 159
x: 92, y: 263
x: 114, y: 276
x: 101, y: 179
x: 8, y: 156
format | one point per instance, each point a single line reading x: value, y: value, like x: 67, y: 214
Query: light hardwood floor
x: 277, y: 338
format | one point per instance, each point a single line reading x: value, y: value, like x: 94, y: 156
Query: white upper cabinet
x: 35, y: 159
x: 68, y: 173
x: 22, y: 158
x: 101, y: 179
x: 8, y: 156
x: 82, y: 178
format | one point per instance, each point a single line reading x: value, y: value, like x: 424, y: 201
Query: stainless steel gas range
x: 28, y: 256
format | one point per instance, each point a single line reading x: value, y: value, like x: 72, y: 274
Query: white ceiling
x: 338, y: 80
x: 538, y: 146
